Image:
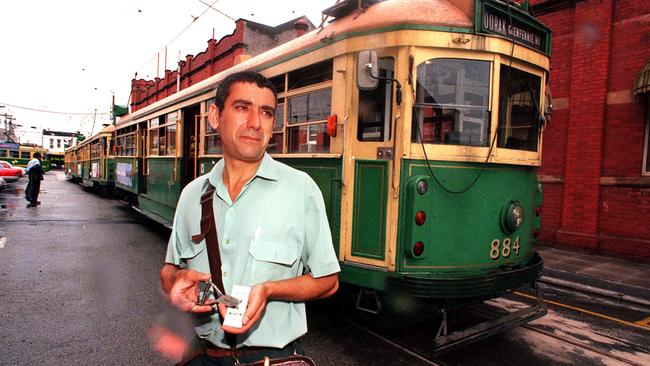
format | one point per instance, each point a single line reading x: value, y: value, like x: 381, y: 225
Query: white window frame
x: 645, y: 172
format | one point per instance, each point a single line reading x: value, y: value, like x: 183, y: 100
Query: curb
x: 596, y: 286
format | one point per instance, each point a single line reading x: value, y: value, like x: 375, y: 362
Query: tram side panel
x: 163, y: 187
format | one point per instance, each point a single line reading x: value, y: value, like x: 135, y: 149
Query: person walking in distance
x: 35, y: 174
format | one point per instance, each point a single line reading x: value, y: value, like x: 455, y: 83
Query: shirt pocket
x: 273, y: 260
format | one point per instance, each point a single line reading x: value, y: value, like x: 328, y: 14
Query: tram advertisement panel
x: 125, y: 174
x: 94, y: 170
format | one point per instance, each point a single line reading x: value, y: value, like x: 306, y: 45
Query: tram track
x: 578, y: 341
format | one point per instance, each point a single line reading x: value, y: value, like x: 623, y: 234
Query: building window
x: 51, y: 143
x: 451, y: 104
x: 646, y: 149
x: 58, y: 143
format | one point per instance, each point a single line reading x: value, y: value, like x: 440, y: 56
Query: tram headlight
x: 513, y: 216
x: 422, y: 186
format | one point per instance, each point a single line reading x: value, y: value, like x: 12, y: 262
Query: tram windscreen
x: 519, y: 116
x: 451, y: 105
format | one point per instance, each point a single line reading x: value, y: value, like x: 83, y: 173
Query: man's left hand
x: 256, y: 304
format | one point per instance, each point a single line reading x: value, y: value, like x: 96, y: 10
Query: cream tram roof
x: 389, y: 14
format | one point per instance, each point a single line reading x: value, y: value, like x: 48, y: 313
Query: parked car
x: 3, y: 184
x: 10, y: 175
x: 7, y: 164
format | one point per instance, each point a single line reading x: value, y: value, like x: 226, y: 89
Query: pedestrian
x: 35, y: 174
x: 272, y: 235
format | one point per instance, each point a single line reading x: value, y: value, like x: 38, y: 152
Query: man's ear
x: 213, y: 116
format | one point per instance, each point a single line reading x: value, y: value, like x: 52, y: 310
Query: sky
x: 72, y: 56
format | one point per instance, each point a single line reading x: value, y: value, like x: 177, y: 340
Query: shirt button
x: 225, y: 274
x: 227, y: 241
x: 230, y: 209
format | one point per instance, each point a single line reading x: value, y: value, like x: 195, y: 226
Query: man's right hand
x: 184, y: 293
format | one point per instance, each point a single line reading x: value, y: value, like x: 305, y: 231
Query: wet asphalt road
x: 79, y: 285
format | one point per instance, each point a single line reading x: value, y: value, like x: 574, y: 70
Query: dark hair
x: 37, y: 155
x: 223, y: 90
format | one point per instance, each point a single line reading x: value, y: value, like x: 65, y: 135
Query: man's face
x: 246, y: 122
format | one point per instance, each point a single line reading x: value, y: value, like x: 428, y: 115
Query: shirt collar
x: 267, y: 170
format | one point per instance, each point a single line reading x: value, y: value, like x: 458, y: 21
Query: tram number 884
x: 504, y: 249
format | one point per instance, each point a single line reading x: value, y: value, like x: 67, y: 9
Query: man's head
x: 38, y: 155
x: 244, y: 114
x: 223, y: 90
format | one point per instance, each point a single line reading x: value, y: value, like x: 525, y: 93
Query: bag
x: 295, y: 360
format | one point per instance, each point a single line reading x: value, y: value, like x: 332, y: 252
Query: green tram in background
x: 94, y: 166
x: 420, y: 121
x: 20, y: 155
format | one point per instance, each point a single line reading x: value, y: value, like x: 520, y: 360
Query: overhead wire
x: 194, y: 19
x: 55, y: 112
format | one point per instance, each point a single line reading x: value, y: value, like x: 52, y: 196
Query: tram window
x: 278, y: 82
x: 13, y: 154
x: 153, y: 150
x: 314, y: 106
x: 374, y: 120
x: 310, y: 110
x: 452, y: 102
x: 276, y: 144
x: 309, y: 139
x: 310, y: 75
x: 519, y: 114
x: 171, y: 139
x: 3, y: 153
x: 24, y: 155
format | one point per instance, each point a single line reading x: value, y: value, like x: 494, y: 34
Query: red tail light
x: 538, y: 210
x: 420, y: 218
x: 418, y: 248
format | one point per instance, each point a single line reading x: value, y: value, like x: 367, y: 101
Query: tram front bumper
x: 490, y: 285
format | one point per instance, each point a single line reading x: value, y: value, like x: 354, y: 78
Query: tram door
x: 191, y: 118
x: 143, y: 168
x: 370, y: 150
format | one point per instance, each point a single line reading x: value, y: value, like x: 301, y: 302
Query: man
x: 35, y: 174
x: 272, y: 231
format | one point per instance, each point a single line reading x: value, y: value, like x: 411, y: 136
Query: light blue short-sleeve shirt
x: 275, y: 229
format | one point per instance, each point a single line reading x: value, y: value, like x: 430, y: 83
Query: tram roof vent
x: 345, y: 7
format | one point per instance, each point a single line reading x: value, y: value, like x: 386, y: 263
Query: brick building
x: 596, y: 163
x: 249, y: 39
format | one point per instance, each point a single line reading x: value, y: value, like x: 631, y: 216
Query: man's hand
x: 184, y: 293
x: 256, y: 304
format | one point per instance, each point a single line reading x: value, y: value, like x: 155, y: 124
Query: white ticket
x: 234, y: 315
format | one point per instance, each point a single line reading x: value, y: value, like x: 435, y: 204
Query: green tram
x: 420, y: 121
x: 72, y: 164
x: 96, y: 164
x: 20, y: 155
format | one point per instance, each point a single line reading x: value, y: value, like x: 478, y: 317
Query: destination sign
x: 515, y: 25
x: 8, y: 145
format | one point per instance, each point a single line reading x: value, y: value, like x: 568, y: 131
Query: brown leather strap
x: 209, y: 232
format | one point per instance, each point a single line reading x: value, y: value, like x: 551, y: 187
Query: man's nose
x: 254, y: 118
